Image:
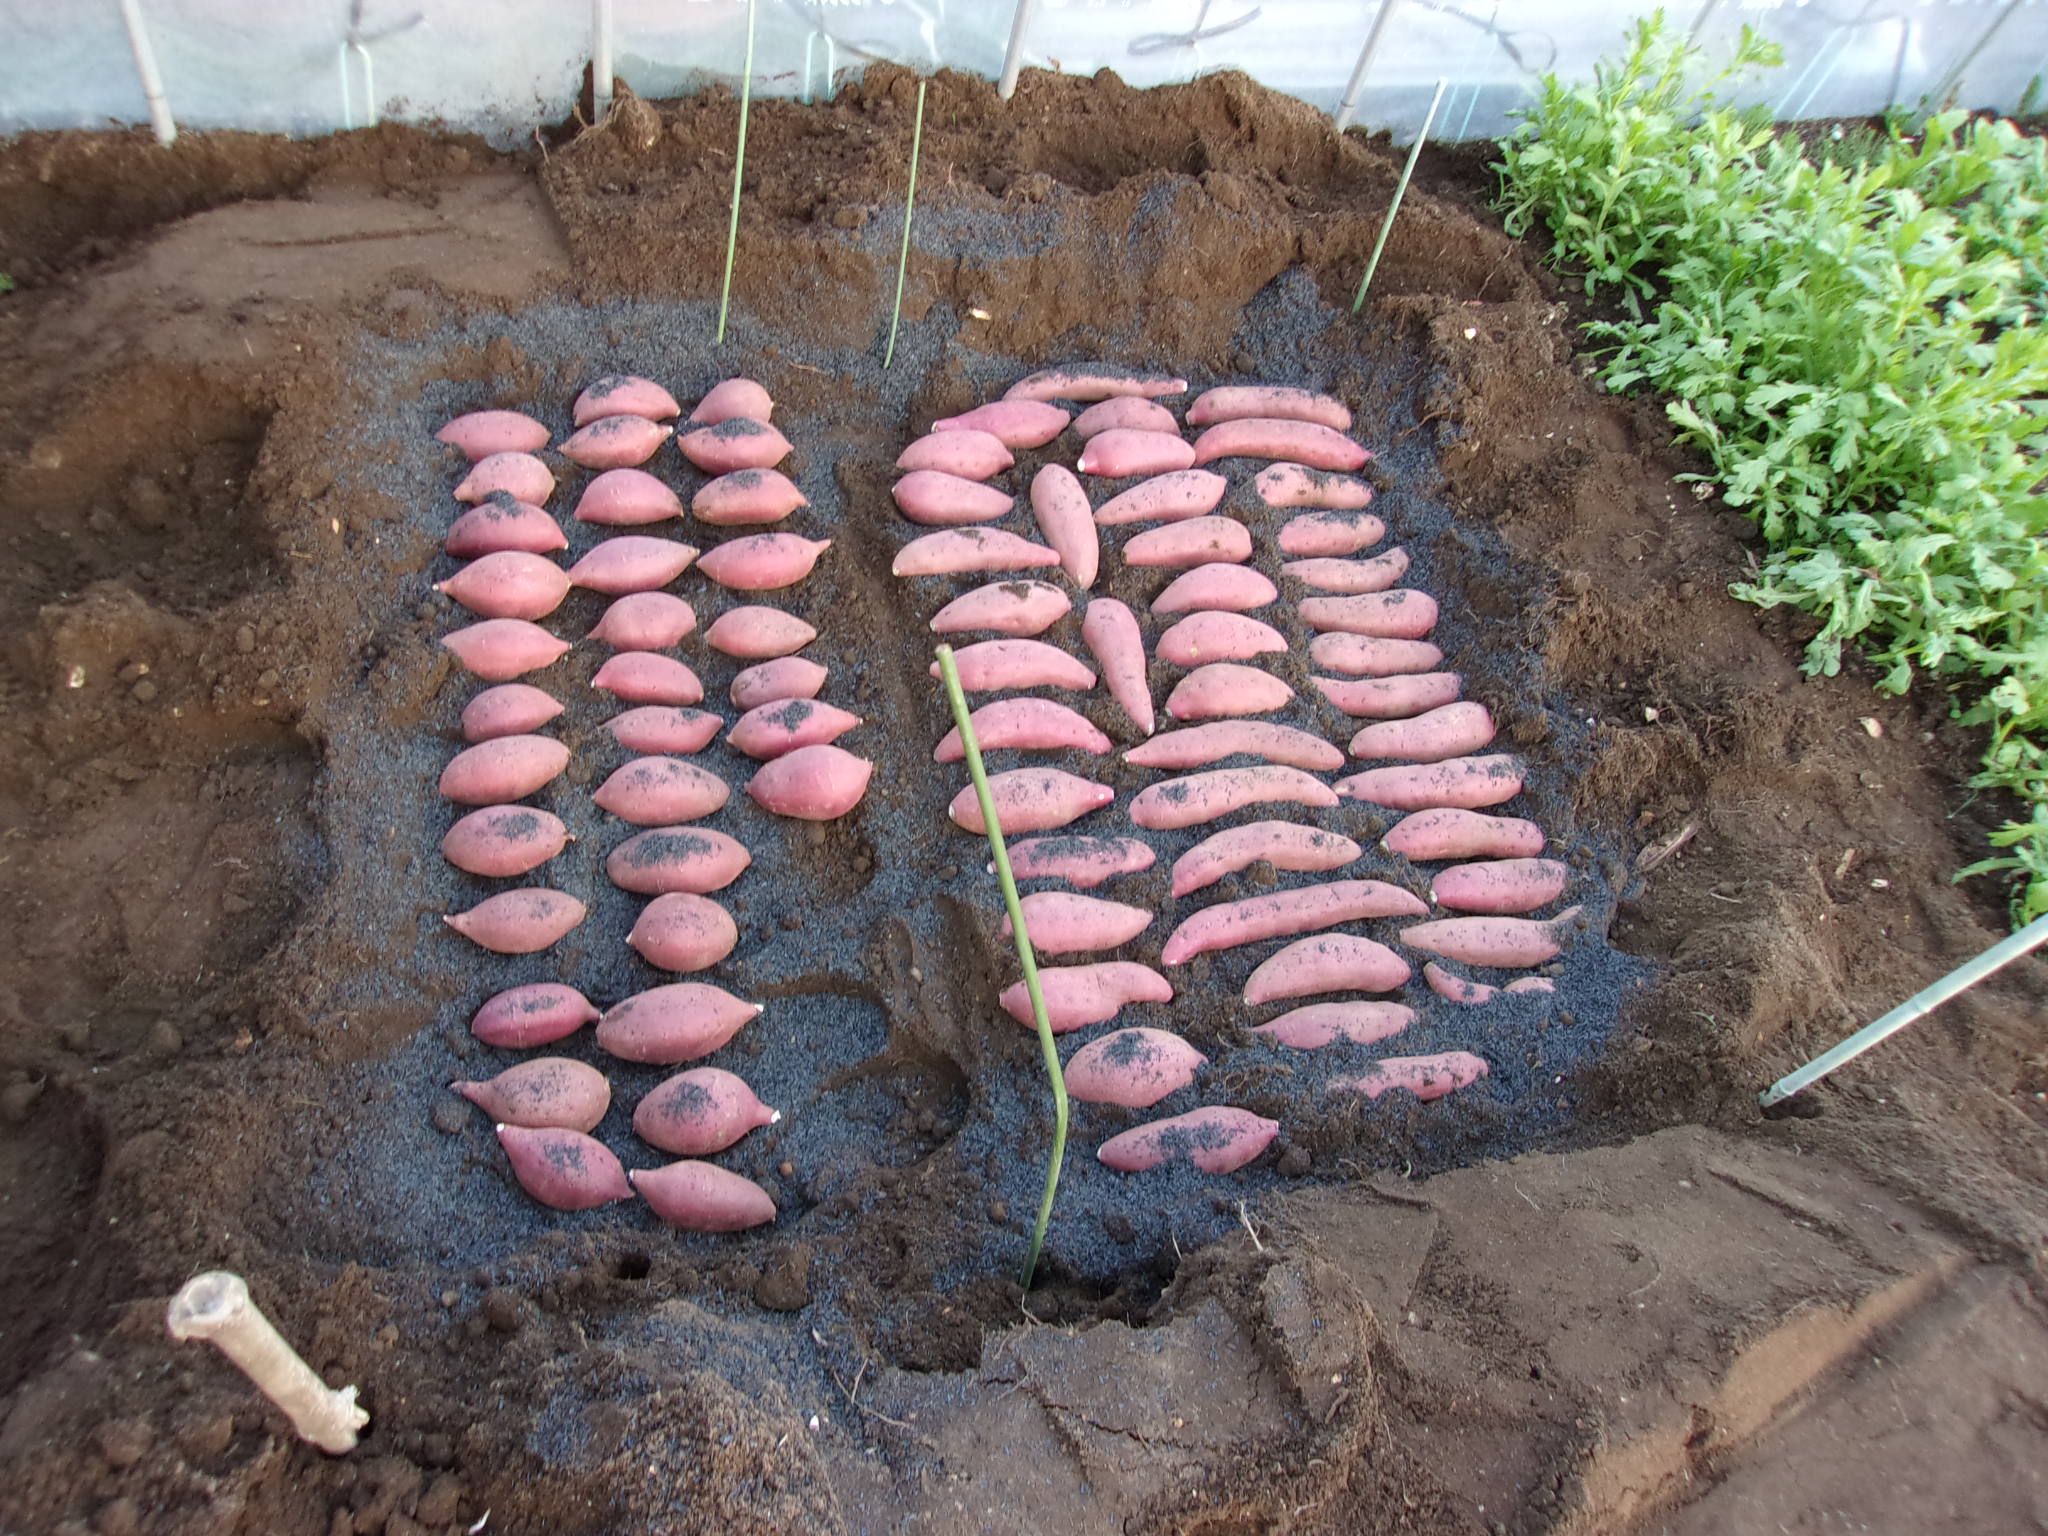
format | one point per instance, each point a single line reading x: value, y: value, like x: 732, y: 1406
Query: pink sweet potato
x: 615, y: 442
x: 940, y: 500
x: 746, y: 497
x: 1111, y: 633
x: 757, y: 631
x: 1027, y: 724
x: 519, y: 475
x: 787, y: 725
x: 1450, y: 731
x: 508, y: 585
x: 654, y: 791
x: 510, y: 709
x: 503, y: 769
x: 1391, y: 698
x: 647, y: 677
x: 988, y: 665
x: 1215, y: 1138
x: 967, y: 455
x: 1231, y: 588
x: 660, y: 730
x: 730, y: 398
x: 645, y: 621
x: 682, y: 1021
x: 633, y: 562
x: 1268, y: 402
x: 1200, y: 745
x: 1326, y: 962
x: 1120, y: 452
x: 1031, y: 800
x: 1131, y: 413
x: 763, y: 562
x: 1297, y: 442
x: 1402, y: 614
x: 1368, y: 656
x: 1083, y: 862
x: 783, y: 677
x: 1133, y: 1067
x: 703, y: 1197
x: 1063, y: 923
x: 498, y: 650
x: 1168, y: 498
x: 814, y: 783
x: 627, y: 498
x: 1198, y: 797
x: 1079, y: 995
x: 563, y: 1169
x: 1067, y: 523
x: 699, y: 1112
x: 664, y: 859
x: 1093, y: 381
x: 958, y: 551
x: 738, y: 442
x: 1013, y: 423
x: 1194, y: 541
x: 1205, y: 637
x: 1504, y: 942
x: 1427, y: 1077
x: 537, y: 1014
x: 623, y: 394
x: 501, y: 841
x: 1466, y: 783
x: 1231, y: 923
x: 1320, y: 1024
x: 1020, y: 608
x: 479, y: 434
x: 547, y: 1091
x: 1455, y: 833
x: 498, y: 524
x: 1351, y: 577
x: 1299, y: 485
x: 1285, y: 845
x: 521, y: 922
x: 682, y: 931
x: 1224, y: 689
x: 1500, y: 887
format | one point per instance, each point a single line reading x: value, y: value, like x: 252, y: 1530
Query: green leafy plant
x: 1854, y: 339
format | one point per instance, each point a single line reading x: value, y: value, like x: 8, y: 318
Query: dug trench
x: 231, y: 1008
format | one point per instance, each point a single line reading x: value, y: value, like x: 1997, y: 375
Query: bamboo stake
x: 1025, y: 957
x: 1400, y: 191
x: 739, y: 166
x: 909, y: 203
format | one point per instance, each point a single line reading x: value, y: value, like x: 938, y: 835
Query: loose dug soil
x: 227, y: 1008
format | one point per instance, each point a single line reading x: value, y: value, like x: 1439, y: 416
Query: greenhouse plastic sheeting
x: 503, y: 66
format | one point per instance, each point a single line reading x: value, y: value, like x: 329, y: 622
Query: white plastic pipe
x: 216, y: 1306
x: 600, y: 60
x: 1913, y: 1009
x: 1013, y: 59
x: 1349, y: 104
x: 152, y: 80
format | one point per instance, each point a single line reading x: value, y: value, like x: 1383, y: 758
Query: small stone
x: 123, y: 1442
x: 143, y: 691
x: 245, y: 639
x: 448, y: 1117
x: 503, y: 1309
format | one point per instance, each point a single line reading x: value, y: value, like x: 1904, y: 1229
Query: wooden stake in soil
x: 739, y: 167
x: 1400, y: 191
x: 909, y: 203
x: 1025, y: 956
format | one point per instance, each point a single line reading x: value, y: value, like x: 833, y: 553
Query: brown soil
x: 224, y: 1015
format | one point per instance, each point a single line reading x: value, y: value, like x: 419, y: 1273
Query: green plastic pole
x: 1025, y: 957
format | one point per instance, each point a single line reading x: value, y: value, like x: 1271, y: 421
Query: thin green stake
x: 739, y: 167
x: 1400, y: 191
x: 1025, y: 957
x: 909, y: 202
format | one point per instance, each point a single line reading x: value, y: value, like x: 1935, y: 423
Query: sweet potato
x: 479, y: 434
x: 1427, y: 1077
x: 633, y: 562
x: 682, y: 931
x: 730, y: 398
x: 1133, y: 1067
x: 1083, y: 862
x: 1110, y: 631
x: 664, y: 859
x: 988, y: 665
x: 509, y: 585
x: 1390, y: 698
x: 498, y: 524
x: 615, y: 442
x: 654, y: 791
x: 1299, y: 485
x: 1285, y: 845
x: 1231, y: 923
x: 1402, y: 614
x: 498, y: 650
x: 755, y: 631
x: 703, y: 1197
x: 1368, y: 656
x: 762, y: 562
x: 1079, y: 995
x: 504, y: 769
x: 958, y: 551
x: 967, y: 455
x: 1319, y: 1024
x: 746, y: 498
x: 698, y: 1112
x: 786, y: 725
x: 1030, y: 800
x: 1201, y: 638
x: 1352, y: 577
x: 940, y: 500
x: 814, y: 783
x: 661, y: 730
x: 1166, y: 498
x: 1093, y: 381
x: 1449, y: 731
x: 1194, y: 541
x: 1224, y: 689
x: 738, y: 442
x: 1297, y: 442
x: 1215, y: 1138
x: 1130, y: 413
x: 1013, y: 423
x: 1020, y: 608
x: 1026, y: 724
x: 1066, y: 522
x: 1466, y: 783
x: 1326, y: 962
x: 1121, y: 452
x: 537, y: 1014
x: 1198, y: 797
x: 1502, y: 942
x: 1231, y: 588
x: 1063, y: 923
x: 519, y: 475
x: 678, y: 1022
x: 784, y: 677
x: 500, y: 841
x: 547, y: 1091
x: 520, y: 922
x: 623, y: 394
x: 1200, y: 745
x: 510, y: 709
x: 1449, y: 832
x: 563, y: 1169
